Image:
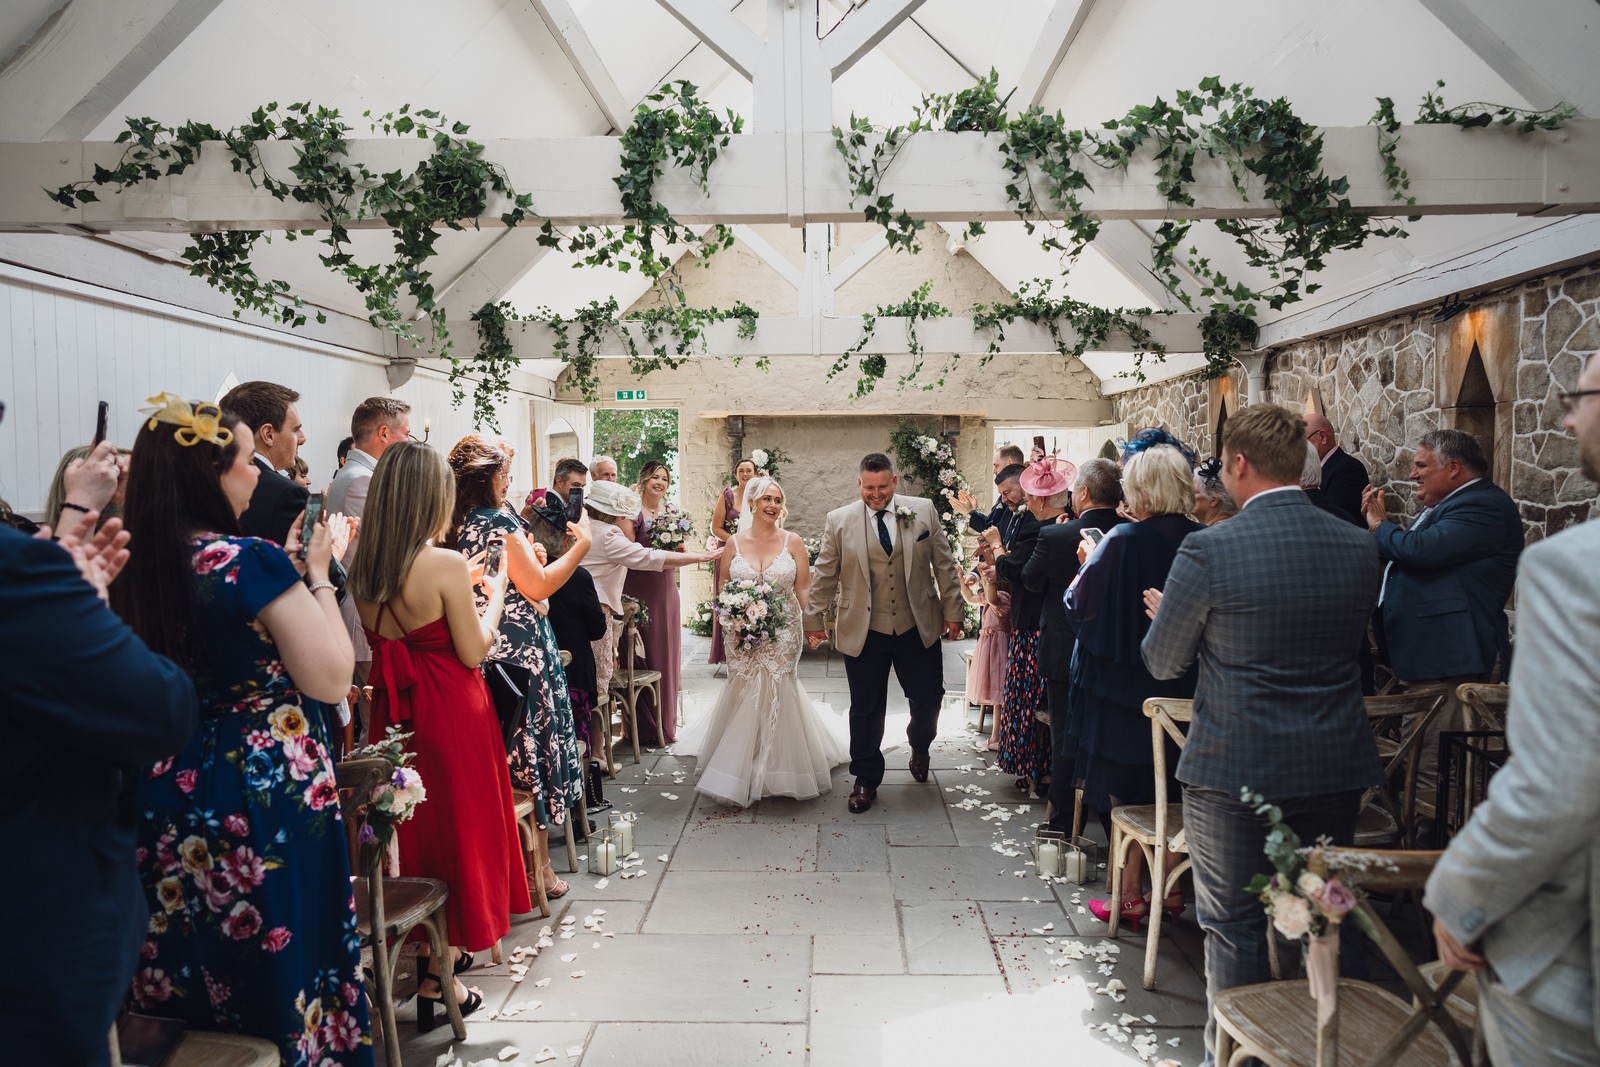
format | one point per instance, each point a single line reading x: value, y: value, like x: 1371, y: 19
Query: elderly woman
x: 1024, y: 743
x: 613, y: 555
x: 1212, y: 503
x: 1105, y: 605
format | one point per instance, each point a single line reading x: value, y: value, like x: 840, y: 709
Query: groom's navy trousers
x: 919, y: 669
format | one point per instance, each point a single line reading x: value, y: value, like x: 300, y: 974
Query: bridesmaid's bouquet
x: 672, y: 529
x: 753, y: 611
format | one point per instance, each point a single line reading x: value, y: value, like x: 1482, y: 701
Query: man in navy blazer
x: 1274, y: 603
x: 1442, y: 609
x: 269, y: 410
x: 87, y: 708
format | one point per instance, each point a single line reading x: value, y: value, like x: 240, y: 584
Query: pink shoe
x: 1134, y: 912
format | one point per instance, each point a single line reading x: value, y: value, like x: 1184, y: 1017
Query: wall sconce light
x: 1452, y: 307
x: 735, y: 426
x: 950, y: 426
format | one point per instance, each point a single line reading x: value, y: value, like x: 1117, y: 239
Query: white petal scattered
x: 540, y: 984
x: 545, y: 1054
x: 578, y: 974
x: 661, y: 859
x: 602, y: 883
x: 670, y: 796
x: 1173, y: 1042
x: 567, y: 935
x: 510, y: 1052
x: 568, y: 920
x: 569, y: 957
x: 598, y: 911
x: 574, y: 1052
x: 595, y: 945
x: 1150, y: 1018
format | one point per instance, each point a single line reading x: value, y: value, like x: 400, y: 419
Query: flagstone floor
x: 798, y: 933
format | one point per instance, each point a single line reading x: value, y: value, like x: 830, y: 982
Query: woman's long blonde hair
x: 410, y: 502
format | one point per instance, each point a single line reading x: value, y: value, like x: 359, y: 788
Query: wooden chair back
x: 625, y: 639
x: 1408, y: 716
x: 1165, y: 713
x: 1487, y: 703
x: 356, y: 779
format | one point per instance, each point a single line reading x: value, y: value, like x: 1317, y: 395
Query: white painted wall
x: 65, y: 345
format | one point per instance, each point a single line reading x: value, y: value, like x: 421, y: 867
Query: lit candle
x: 1049, y: 859
x: 605, y: 858
x: 625, y: 825
x: 1075, y: 872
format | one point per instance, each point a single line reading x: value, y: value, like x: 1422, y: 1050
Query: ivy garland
x: 930, y: 463
x: 914, y: 309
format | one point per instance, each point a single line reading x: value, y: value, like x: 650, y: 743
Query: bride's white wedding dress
x: 765, y: 737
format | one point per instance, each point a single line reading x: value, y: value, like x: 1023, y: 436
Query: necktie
x: 883, y: 536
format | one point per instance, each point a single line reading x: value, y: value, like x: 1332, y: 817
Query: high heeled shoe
x: 1134, y: 912
x: 425, y: 1003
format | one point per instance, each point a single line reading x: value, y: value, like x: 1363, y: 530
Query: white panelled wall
x: 64, y: 346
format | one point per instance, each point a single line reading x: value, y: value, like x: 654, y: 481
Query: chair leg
x: 540, y: 856
x: 436, y: 927
x: 383, y: 993
x: 1119, y: 856
x: 572, y: 846
x: 633, y: 723
x: 1224, y: 1046
x: 1153, y: 917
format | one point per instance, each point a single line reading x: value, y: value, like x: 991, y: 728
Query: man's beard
x: 1589, y: 455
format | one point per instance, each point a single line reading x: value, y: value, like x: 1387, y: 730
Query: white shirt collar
x: 1269, y: 492
x: 1323, y: 460
x: 1458, y: 489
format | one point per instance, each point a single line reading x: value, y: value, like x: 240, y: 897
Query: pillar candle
x: 1049, y: 859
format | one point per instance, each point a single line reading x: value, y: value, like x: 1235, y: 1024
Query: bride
x: 764, y: 737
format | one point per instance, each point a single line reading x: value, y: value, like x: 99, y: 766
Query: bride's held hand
x: 815, y: 639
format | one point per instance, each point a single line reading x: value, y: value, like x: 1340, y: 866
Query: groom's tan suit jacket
x: 933, y: 582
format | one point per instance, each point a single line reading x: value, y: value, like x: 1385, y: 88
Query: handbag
x: 508, y: 682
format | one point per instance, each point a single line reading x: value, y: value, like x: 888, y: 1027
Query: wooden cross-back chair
x: 1156, y: 828
x: 629, y: 681
x: 1400, y: 724
x: 1365, y: 1025
x: 1486, y: 705
x: 388, y: 909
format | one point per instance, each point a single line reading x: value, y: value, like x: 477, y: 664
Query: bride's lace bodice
x: 780, y: 655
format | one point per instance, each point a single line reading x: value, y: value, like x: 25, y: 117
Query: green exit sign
x: 631, y: 394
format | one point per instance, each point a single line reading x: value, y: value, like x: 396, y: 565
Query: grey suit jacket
x: 347, y: 495
x: 1520, y: 877
x: 1275, y: 602
x: 932, y: 580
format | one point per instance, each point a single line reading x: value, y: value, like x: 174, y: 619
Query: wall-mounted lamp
x: 950, y: 426
x: 1452, y: 307
x: 735, y: 426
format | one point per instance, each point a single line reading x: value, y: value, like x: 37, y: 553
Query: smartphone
x: 100, y: 420
x: 574, y: 503
x: 1038, y: 444
x: 313, y: 516
x: 1093, y: 536
x: 492, y: 557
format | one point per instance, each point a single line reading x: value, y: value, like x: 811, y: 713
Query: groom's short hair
x: 1009, y: 472
x: 873, y: 462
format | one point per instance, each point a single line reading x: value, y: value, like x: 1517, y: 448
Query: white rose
x: 1309, y: 884
x: 760, y: 456
x: 1291, y: 915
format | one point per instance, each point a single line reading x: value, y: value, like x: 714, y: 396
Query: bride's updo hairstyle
x: 754, y: 490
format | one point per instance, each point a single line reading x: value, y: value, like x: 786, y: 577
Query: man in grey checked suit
x: 1274, y: 602
x: 1518, y: 882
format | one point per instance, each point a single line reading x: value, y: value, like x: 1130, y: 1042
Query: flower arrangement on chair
x: 1301, y: 903
x: 395, y: 799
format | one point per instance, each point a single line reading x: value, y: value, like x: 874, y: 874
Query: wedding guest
x: 1009, y: 498
x: 269, y: 410
x: 1533, y: 938
x: 612, y: 555
x: 569, y: 474
x: 241, y: 844
x: 1096, y: 494
x: 724, y: 524
x: 1344, y: 477
x: 69, y: 750
x: 542, y: 750
x: 1442, y: 605
x: 428, y: 640
x: 1277, y: 707
x: 301, y: 475
x: 1105, y: 607
x: 603, y: 469
x: 86, y: 482
x: 1311, y: 484
x: 663, y: 634
x: 1212, y: 504
x: 344, y: 450
x: 1149, y: 438
x: 1024, y: 744
x: 986, y: 680
x: 56, y: 494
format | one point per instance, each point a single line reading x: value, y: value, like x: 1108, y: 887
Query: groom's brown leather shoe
x: 919, y: 766
x: 861, y: 798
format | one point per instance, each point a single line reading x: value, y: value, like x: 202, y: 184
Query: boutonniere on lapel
x: 904, y: 515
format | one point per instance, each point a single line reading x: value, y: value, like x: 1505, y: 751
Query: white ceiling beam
x: 929, y: 64
x: 721, y: 31
x: 802, y: 337
x: 1563, y: 244
x: 763, y: 250
x: 1126, y: 246
x: 1061, y: 28
x: 862, y: 30
x: 490, y: 277
x: 940, y: 177
x: 86, y: 60
x: 859, y: 257
x: 1545, y: 54
x: 568, y: 31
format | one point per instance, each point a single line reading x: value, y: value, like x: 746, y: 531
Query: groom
x: 898, y: 585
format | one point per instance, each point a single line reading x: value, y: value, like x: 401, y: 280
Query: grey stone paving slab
x: 708, y: 812
x: 926, y: 1020
x: 485, y: 1039
x: 902, y: 805
x: 857, y: 954
x: 1179, y: 998
x: 939, y: 873
x: 621, y: 916
x: 675, y: 978
x: 858, y: 847
x: 586, y: 885
x: 1021, y: 919
x: 695, y: 1044
x: 946, y: 937
x: 739, y: 903
x: 747, y: 847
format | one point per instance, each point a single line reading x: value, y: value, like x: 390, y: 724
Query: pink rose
x: 304, y: 756
x: 277, y: 939
x: 322, y: 792
x: 217, y: 554
x: 341, y: 1030
x: 243, y: 922
x: 151, y: 986
x: 213, y: 889
x: 161, y: 768
x: 243, y: 869
x: 1336, y: 899
x: 148, y: 950
x: 237, y: 825
x: 186, y: 781
x: 352, y: 993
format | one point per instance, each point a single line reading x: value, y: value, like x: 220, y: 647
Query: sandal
x: 1134, y: 912
x: 425, y: 1003
x: 464, y: 961
x: 560, y: 888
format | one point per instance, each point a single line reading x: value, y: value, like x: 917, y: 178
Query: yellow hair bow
x: 202, y: 423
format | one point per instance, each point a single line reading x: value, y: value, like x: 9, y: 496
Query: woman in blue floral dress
x: 543, y: 748
x: 241, y: 846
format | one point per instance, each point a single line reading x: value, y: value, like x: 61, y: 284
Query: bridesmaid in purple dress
x: 663, y: 634
x: 724, y: 524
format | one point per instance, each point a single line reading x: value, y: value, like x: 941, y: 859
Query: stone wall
x: 1495, y: 370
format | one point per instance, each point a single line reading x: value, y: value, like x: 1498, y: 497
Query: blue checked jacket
x: 1274, y: 602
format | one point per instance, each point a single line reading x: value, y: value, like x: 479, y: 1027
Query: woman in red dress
x: 427, y: 641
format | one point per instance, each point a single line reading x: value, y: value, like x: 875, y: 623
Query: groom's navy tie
x: 883, y: 536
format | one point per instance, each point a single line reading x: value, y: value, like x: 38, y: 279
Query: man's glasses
x: 1570, y: 401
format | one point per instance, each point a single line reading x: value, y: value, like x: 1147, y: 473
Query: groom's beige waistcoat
x: 917, y: 585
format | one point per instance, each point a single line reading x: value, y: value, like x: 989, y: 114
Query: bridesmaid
x: 724, y: 524
x: 427, y: 637
x: 663, y: 634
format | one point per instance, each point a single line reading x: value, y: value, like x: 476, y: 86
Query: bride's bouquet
x: 672, y: 529
x: 753, y: 611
